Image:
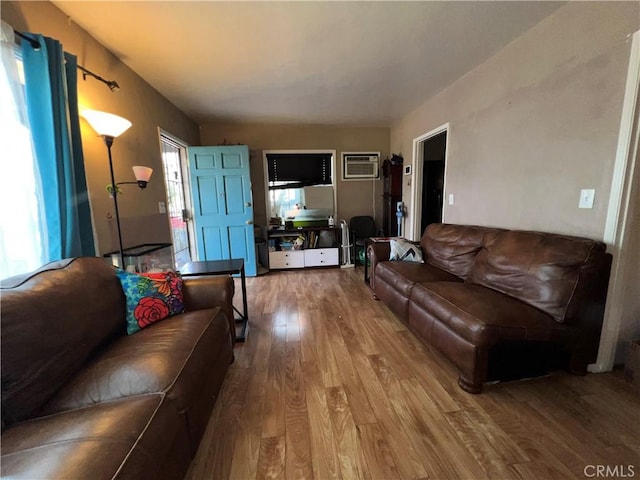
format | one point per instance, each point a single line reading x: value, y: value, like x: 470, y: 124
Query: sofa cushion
x: 52, y: 321
x: 403, y: 275
x: 453, y: 248
x: 169, y: 356
x: 405, y: 251
x: 540, y: 269
x: 121, y: 439
x: 484, y: 316
x: 150, y: 297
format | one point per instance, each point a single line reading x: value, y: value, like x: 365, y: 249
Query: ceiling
x: 324, y: 62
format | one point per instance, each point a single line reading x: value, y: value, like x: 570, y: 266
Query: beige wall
x: 353, y: 197
x: 535, y: 123
x: 138, y: 102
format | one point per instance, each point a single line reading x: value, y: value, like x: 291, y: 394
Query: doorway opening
x: 430, y: 152
x: 435, y: 149
x: 174, y: 161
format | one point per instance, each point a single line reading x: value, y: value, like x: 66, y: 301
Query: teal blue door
x: 223, y: 204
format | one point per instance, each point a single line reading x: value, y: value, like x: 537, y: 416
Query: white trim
x: 418, y: 164
x: 334, y: 184
x: 618, y: 211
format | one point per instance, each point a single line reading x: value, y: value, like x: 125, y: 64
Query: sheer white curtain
x: 22, y: 233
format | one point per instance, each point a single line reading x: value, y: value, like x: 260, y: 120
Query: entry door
x: 175, y: 165
x: 223, y: 204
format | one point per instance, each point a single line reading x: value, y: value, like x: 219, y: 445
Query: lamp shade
x: 106, y: 124
x: 143, y: 174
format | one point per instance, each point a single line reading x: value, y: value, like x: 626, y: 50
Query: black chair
x: 361, y: 228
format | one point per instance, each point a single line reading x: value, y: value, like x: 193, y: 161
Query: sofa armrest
x: 377, y: 252
x: 208, y: 291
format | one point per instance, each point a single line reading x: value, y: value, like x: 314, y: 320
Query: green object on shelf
x: 310, y: 223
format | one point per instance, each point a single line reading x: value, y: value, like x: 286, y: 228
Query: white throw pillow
x: 405, y: 251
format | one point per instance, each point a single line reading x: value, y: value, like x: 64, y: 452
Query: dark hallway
x: 433, y: 179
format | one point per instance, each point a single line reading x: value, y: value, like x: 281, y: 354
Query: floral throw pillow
x: 405, y: 251
x: 150, y: 297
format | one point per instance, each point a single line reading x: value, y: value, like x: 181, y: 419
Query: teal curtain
x: 52, y: 105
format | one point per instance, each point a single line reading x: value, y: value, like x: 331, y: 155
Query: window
x: 285, y: 200
x: 22, y: 234
x: 299, y: 180
x: 295, y: 170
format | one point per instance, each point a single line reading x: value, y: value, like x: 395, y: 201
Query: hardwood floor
x: 329, y: 384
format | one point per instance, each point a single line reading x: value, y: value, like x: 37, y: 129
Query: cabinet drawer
x: 289, y: 259
x: 320, y: 257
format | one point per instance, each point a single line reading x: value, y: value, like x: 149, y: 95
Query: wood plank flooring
x: 330, y: 385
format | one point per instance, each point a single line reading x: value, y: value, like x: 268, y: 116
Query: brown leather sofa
x: 499, y: 304
x: 81, y: 399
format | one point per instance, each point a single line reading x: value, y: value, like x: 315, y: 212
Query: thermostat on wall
x: 407, y: 170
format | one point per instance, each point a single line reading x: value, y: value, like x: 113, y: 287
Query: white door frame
x: 416, y: 184
x: 616, y: 233
x: 186, y: 186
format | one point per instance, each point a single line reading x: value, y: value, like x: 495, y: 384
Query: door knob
x: 248, y: 204
x: 249, y: 222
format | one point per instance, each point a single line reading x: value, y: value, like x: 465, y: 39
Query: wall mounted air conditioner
x: 359, y: 165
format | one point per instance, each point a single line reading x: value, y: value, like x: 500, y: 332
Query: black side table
x: 223, y: 267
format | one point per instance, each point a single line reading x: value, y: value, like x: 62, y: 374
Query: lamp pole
x: 108, y: 140
x: 110, y: 126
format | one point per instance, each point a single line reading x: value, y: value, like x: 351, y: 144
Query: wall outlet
x: 162, y: 207
x: 451, y: 199
x: 587, y: 196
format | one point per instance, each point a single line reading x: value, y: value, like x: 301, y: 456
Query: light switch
x: 162, y: 208
x: 587, y: 196
x: 451, y: 199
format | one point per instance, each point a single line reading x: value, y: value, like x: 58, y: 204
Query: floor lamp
x: 110, y: 126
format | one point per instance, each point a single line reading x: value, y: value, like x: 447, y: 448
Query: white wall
x: 535, y: 123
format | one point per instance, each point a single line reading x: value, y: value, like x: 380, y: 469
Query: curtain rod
x: 35, y: 44
x: 112, y: 84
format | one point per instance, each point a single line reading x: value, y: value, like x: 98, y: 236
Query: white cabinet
x: 316, y: 257
x: 287, y: 259
x: 319, y: 248
x: 321, y: 257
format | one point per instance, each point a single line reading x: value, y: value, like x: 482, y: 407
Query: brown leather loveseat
x: 499, y: 304
x: 81, y: 399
